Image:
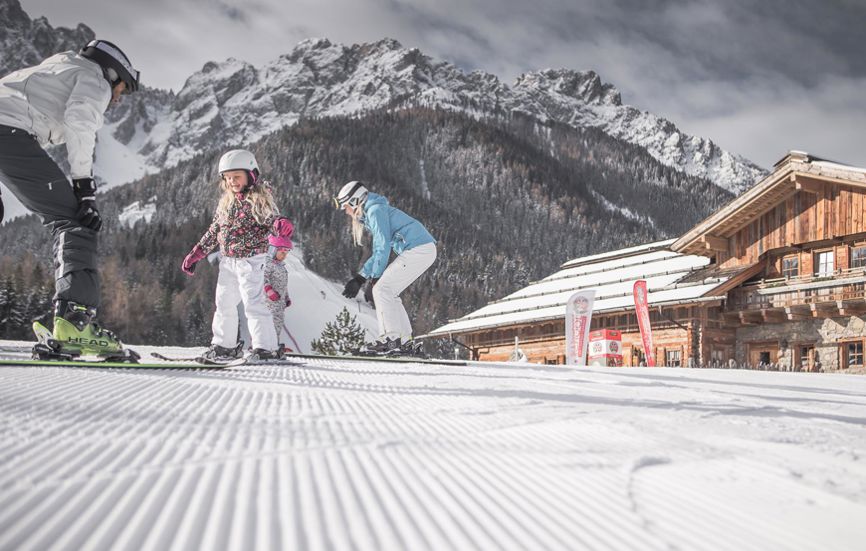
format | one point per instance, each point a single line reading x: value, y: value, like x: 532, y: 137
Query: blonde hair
x: 357, y: 225
x: 259, y: 196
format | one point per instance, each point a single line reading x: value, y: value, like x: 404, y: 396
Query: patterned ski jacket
x: 277, y: 276
x: 241, y: 236
x: 391, y: 228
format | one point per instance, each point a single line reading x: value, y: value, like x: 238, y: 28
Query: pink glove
x: 283, y: 227
x: 273, y: 296
x: 196, y: 254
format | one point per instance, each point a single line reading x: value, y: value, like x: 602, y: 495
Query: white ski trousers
x: 406, y: 268
x: 242, y: 280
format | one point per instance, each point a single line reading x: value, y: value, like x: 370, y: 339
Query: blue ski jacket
x: 392, y: 227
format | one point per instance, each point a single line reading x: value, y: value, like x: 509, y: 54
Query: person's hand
x: 272, y: 295
x: 87, y: 214
x: 368, y: 291
x: 353, y: 286
x: 189, y: 262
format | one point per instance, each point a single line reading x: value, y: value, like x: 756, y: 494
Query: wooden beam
x: 751, y: 318
x: 774, y: 316
x: 824, y: 310
x: 809, y: 186
x: 715, y: 243
x: 851, y: 307
x: 795, y: 313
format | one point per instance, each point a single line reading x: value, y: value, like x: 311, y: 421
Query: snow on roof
x: 618, y: 253
x: 838, y: 166
x: 611, y: 275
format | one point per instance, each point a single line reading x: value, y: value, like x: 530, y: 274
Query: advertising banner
x: 643, y: 321
x: 578, y: 315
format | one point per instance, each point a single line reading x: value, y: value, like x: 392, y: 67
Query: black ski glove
x: 353, y: 286
x: 85, y: 191
x: 368, y: 291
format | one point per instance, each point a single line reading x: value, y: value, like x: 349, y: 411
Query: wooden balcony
x: 795, y: 298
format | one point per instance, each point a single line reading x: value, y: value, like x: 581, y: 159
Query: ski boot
x: 386, y: 347
x: 413, y: 348
x: 262, y: 354
x: 217, y: 353
x: 76, y: 333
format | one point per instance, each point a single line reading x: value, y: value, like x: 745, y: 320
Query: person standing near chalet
x: 62, y: 100
x: 390, y: 228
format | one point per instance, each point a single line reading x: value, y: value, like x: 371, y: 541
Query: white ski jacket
x: 62, y: 99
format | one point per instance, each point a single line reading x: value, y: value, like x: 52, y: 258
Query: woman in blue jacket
x: 391, y: 228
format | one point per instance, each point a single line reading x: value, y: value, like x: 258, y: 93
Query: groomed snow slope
x: 363, y: 455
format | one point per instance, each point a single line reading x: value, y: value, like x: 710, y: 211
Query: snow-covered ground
x: 332, y: 454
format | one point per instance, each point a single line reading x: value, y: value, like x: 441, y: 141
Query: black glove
x: 368, y: 291
x: 85, y: 191
x: 353, y: 286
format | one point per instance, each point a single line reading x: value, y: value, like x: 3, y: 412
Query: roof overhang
x: 796, y: 173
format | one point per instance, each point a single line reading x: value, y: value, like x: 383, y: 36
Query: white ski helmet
x: 240, y: 159
x: 353, y: 194
x: 115, y: 65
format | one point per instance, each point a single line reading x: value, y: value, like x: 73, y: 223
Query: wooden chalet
x: 775, y: 279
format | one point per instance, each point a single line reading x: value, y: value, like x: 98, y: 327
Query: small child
x: 245, y: 217
x: 277, y: 280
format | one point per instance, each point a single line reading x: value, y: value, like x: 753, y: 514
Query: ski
x: 393, y: 359
x: 100, y: 363
x: 200, y: 360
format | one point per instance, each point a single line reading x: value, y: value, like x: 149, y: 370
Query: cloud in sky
x: 759, y: 78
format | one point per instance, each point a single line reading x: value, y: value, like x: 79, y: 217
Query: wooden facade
x: 789, y: 256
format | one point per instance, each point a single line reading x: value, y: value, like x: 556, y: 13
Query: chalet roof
x: 795, y: 172
x: 672, y: 278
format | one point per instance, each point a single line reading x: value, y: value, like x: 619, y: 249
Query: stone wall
x: 824, y: 333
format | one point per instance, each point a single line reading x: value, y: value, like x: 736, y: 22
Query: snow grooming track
x: 360, y: 454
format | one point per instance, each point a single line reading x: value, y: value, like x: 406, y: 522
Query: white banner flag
x: 578, y: 315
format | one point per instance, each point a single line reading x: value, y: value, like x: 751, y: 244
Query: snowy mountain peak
x: 26, y: 42
x: 585, y: 86
x: 232, y: 102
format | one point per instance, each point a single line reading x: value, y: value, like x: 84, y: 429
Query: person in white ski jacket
x: 62, y: 100
x: 391, y: 229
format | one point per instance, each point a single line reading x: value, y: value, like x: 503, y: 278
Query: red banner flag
x: 578, y: 315
x: 643, y: 320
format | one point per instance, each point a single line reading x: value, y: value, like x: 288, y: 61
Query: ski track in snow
x: 333, y: 454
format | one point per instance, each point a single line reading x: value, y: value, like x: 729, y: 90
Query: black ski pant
x: 40, y: 185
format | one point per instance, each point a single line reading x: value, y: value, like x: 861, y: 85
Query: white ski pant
x: 406, y: 268
x: 242, y: 280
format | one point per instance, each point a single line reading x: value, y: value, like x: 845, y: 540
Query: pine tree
x: 340, y: 337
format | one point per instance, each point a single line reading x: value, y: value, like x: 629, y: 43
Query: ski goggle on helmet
x: 115, y: 65
x: 353, y: 194
x: 240, y: 159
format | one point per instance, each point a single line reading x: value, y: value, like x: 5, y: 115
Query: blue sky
x: 759, y: 78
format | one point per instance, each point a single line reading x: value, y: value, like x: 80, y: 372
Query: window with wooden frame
x: 858, y: 257
x: 791, y: 266
x: 824, y: 265
x: 673, y: 357
x: 852, y: 354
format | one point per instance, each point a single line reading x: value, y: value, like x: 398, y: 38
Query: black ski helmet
x: 115, y: 65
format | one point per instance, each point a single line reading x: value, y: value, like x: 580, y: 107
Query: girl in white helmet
x: 244, y: 219
x: 391, y: 228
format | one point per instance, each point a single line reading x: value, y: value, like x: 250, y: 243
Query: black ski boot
x: 262, y: 354
x: 386, y: 347
x: 413, y: 348
x: 217, y: 353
